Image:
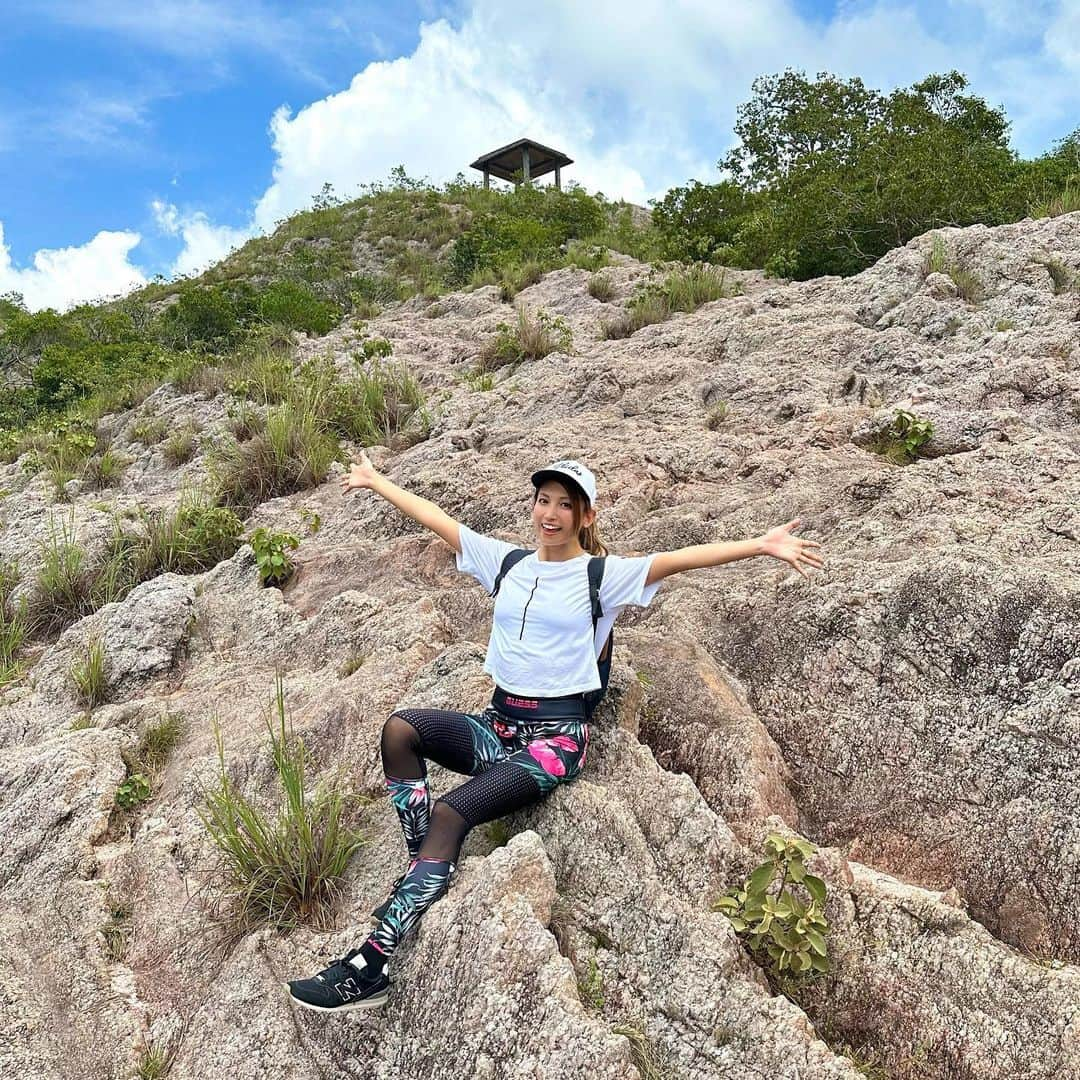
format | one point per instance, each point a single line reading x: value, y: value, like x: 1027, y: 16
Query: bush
x: 278, y: 867
x: 601, y: 288
x: 1066, y: 201
x: 13, y: 624
x: 789, y: 929
x: 517, y: 277
x: 149, y: 431
x: 196, y: 536
x: 295, y: 305
x: 904, y: 438
x: 293, y: 453
x: 180, y: 447
x: 103, y: 470
x: 531, y: 339
x: 206, y: 317
x: 272, y: 555
x: 63, y: 591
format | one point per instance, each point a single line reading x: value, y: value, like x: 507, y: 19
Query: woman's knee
x: 399, y: 734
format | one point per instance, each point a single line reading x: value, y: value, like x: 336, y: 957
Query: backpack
x: 596, y: 576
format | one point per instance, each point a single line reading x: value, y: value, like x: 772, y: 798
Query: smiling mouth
x: 549, y: 528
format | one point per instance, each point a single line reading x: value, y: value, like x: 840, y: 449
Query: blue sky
x: 143, y: 138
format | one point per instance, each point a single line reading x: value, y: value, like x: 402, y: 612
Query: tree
x: 845, y: 173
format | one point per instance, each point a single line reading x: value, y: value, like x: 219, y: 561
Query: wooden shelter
x: 523, y: 160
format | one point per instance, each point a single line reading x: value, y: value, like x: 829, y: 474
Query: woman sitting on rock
x: 545, y: 642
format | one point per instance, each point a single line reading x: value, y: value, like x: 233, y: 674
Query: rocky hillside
x: 914, y: 710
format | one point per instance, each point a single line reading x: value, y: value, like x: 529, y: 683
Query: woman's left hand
x: 799, y: 553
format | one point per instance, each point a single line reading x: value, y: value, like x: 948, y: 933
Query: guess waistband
x: 570, y: 707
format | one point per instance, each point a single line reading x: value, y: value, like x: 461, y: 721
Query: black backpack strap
x: 596, y: 576
x: 510, y: 560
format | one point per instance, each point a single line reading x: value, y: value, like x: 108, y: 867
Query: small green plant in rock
x: 180, y: 447
x: 311, y: 520
x: 103, y: 470
x: 154, y: 1063
x: 133, y: 792
x: 353, y: 664
x: 1004, y: 324
x: 601, y: 288
x: 373, y: 348
x: 278, y: 867
x: 1061, y: 276
x: 272, y: 555
x: 479, y: 381
x: 529, y: 339
x: 647, y: 1058
x: 90, y: 674
x: 790, y: 929
x: 117, y: 930
x: 591, y: 987
x: 717, y: 415
x: 81, y: 723
x: 149, y: 432
x: 902, y: 440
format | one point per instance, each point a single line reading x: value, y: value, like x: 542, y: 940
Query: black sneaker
x: 379, y: 913
x: 341, y: 987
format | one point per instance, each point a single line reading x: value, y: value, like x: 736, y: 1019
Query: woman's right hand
x: 362, y: 474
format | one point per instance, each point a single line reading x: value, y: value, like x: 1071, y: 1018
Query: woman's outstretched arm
x: 778, y: 542
x: 364, y: 475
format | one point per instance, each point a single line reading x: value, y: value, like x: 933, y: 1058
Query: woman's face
x: 553, y: 516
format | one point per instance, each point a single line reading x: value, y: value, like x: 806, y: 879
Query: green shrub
x: 206, y: 317
x: 245, y: 421
x: 117, y: 930
x: 62, y: 593
x: 1062, y: 277
x: 1004, y: 324
x: 717, y: 415
x: 90, y: 675
x: 293, y: 453
x: 149, y: 431
x: 1066, y: 201
x: 295, y: 305
x: 278, y: 867
x: 788, y: 928
x: 517, y: 277
x: 272, y: 555
x: 530, y: 339
x: 601, y: 288
x: 155, y: 1061
x: 647, y: 1058
x: 968, y: 285
x: 902, y: 440
x: 104, y: 470
x: 156, y: 743
x: 688, y: 289
x: 133, y: 792
x: 180, y: 447
x: 13, y: 624
x: 193, y: 537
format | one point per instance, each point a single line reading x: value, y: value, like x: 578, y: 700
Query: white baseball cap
x: 574, y: 471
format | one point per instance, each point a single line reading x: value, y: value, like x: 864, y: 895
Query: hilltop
x: 911, y: 711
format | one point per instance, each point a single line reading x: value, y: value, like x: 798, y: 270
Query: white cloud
x: 204, y: 242
x: 642, y: 97
x: 62, y: 277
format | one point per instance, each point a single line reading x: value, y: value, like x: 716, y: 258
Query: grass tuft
x: 90, y: 675
x: 278, y: 866
x: 601, y: 288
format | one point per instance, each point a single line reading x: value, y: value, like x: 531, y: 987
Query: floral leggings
x: 516, y: 751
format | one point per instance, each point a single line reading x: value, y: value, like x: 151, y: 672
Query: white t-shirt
x: 542, y: 642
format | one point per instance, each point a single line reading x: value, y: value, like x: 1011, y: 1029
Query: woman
x: 543, y: 657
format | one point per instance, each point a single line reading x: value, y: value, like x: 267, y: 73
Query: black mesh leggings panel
x: 440, y: 736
